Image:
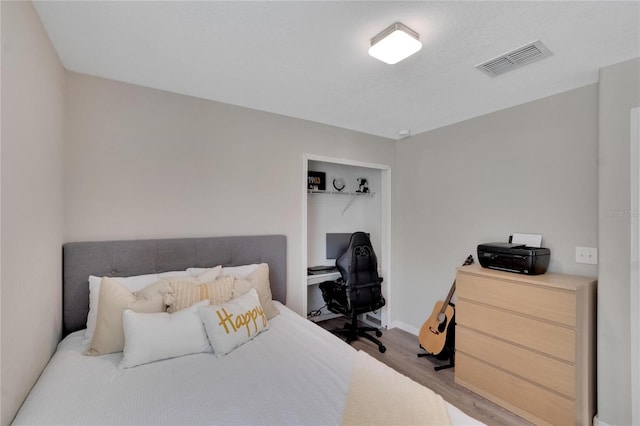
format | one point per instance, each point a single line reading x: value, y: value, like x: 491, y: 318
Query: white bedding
x: 294, y: 373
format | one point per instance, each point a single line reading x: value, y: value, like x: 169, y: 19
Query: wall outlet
x: 587, y: 255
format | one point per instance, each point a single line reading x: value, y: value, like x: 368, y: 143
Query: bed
x: 292, y: 372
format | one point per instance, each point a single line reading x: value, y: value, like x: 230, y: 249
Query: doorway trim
x: 634, y: 215
x: 385, y: 224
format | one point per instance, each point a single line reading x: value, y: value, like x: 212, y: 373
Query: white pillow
x: 233, y: 323
x: 134, y: 283
x: 195, y: 271
x: 241, y: 272
x: 157, y: 336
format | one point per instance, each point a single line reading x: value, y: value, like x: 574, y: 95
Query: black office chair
x: 358, y: 291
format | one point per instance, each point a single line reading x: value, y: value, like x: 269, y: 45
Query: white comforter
x: 295, y: 373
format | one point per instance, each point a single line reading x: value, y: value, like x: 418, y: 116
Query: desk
x: 314, y: 295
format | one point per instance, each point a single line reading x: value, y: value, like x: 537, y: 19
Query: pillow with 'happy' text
x: 234, y: 323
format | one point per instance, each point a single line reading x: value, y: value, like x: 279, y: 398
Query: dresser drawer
x: 551, y: 339
x: 520, y: 396
x: 551, y: 304
x: 526, y: 342
x: 548, y: 372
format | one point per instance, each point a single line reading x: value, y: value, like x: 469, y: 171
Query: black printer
x: 514, y: 258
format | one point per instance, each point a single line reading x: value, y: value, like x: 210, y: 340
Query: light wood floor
x: 401, y: 354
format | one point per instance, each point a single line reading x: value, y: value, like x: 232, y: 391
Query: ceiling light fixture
x: 395, y: 43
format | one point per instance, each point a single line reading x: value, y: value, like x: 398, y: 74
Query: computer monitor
x: 337, y: 244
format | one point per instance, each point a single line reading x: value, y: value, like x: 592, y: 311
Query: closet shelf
x: 354, y: 194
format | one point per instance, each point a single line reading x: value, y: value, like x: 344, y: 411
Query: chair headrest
x: 358, y: 264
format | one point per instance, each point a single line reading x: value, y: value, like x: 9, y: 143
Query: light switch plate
x: 587, y: 255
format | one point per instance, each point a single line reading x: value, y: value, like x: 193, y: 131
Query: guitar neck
x: 449, y: 296
x: 446, y: 302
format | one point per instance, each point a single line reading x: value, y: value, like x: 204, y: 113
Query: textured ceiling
x: 308, y: 59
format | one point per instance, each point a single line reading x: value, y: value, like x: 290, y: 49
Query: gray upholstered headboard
x: 137, y: 257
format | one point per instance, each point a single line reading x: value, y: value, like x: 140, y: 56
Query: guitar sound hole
x: 442, y: 326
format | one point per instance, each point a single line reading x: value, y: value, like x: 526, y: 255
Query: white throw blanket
x: 379, y: 395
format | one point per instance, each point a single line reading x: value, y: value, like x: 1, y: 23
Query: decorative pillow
x: 135, y: 283
x: 183, y: 293
x: 152, y: 337
x: 258, y: 279
x: 115, y: 298
x: 207, y: 274
x: 233, y: 323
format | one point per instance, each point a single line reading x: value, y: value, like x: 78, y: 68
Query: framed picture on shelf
x: 317, y: 181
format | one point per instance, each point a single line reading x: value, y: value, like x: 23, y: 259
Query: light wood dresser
x: 527, y: 342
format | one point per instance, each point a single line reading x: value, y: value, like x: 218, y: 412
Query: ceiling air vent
x: 515, y: 59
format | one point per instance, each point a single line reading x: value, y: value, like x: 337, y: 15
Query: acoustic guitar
x: 433, y: 333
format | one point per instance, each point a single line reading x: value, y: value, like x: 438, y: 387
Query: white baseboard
x: 405, y: 327
x: 598, y: 422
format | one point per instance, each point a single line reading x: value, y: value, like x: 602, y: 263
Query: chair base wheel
x: 351, y: 332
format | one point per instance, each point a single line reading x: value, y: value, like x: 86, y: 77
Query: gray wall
x: 142, y: 163
x: 531, y: 168
x: 31, y: 174
x: 619, y: 93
